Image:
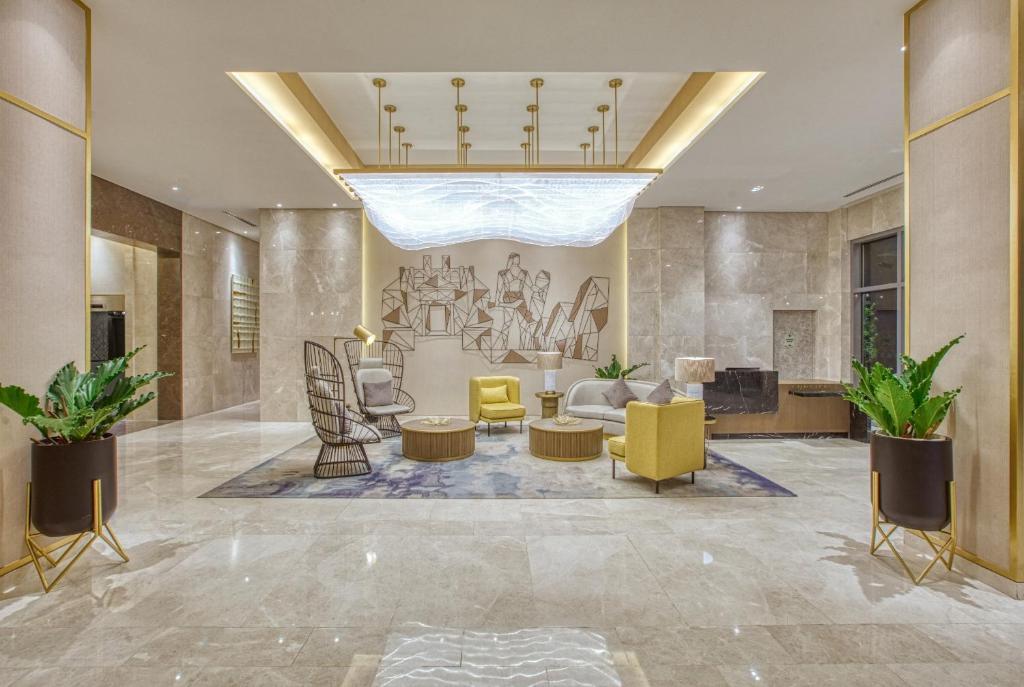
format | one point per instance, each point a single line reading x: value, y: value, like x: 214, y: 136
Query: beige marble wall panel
x: 793, y: 343
x: 959, y: 276
x: 42, y: 276
x: 144, y: 327
x: 310, y: 288
x: 959, y: 53
x: 214, y: 377
x: 42, y: 56
x: 756, y: 263
x: 681, y: 292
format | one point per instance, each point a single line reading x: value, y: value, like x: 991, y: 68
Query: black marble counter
x: 740, y: 392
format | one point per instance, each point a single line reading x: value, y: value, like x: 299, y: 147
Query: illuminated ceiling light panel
x: 426, y: 210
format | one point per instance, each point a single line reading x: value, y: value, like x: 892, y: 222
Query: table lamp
x: 364, y: 335
x: 550, y: 362
x: 695, y: 372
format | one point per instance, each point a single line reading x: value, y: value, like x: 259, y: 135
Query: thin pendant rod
x: 593, y: 143
x: 458, y: 82
x: 603, y: 109
x: 537, y: 83
x: 379, y: 84
x: 407, y: 146
x: 615, y: 84
x: 390, y: 109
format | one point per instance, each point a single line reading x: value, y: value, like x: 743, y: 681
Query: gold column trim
x: 963, y: 112
x: 1015, y: 570
x: 43, y: 114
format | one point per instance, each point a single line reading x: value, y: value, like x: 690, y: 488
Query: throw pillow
x: 494, y: 394
x: 661, y: 395
x: 619, y: 394
x: 378, y: 394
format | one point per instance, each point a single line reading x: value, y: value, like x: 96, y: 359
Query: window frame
x: 857, y: 289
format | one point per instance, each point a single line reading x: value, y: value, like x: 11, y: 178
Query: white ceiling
x: 826, y: 118
x: 497, y: 112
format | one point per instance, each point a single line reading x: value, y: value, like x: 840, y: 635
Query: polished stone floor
x: 618, y: 592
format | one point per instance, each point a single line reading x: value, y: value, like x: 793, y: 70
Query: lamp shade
x: 364, y: 334
x: 549, y: 360
x: 695, y: 370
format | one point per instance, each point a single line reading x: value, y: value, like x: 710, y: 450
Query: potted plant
x: 76, y: 447
x: 914, y: 464
x: 615, y: 370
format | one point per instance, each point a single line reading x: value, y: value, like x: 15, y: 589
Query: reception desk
x: 794, y: 407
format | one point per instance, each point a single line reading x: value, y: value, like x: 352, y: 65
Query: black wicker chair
x: 342, y: 431
x: 393, y: 360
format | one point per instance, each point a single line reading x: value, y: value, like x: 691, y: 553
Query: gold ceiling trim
x: 319, y: 115
x: 698, y: 104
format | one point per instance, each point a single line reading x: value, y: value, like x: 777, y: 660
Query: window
x: 877, y: 286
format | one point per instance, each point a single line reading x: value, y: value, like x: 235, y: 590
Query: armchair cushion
x: 390, y: 409
x: 370, y: 375
x: 494, y: 394
x: 502, y: 411
x: 379, y: 393
x: 617, y: 447
x: 619, y: 394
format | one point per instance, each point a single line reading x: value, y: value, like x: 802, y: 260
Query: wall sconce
x: 364, y: 335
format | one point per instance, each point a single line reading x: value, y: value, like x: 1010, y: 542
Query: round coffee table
x: 437, y: 443
x: 551, y: 441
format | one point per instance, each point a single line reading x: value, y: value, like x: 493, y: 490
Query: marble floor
x: 618, y: 592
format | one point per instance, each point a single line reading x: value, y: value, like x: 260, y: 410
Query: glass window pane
x: 880, y: 262
x: 879, y: 327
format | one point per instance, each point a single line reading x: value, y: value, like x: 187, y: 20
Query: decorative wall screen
x: 245, y: 315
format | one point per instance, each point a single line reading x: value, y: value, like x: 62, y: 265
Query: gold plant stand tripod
x: 41, y: 553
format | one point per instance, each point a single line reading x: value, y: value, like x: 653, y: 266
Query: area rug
x: 501, y: 468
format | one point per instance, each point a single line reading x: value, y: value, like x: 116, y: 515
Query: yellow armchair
x: 661, y: 441
x: 488, y: 404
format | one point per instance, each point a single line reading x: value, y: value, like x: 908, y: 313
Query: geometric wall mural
x: 509, y: 325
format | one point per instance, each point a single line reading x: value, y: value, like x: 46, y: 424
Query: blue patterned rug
x: 501, y: 468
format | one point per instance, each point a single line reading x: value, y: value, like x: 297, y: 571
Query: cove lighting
x: 426, y: 210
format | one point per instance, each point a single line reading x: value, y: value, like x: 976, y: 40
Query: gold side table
x: 548, y: 403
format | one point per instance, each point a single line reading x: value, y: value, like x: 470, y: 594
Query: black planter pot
x: 913, y: 480
x: 62, y: 477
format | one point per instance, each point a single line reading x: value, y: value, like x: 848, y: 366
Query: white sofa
x: 584, y: 399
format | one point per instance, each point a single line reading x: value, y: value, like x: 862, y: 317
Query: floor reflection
x: 424, y: 655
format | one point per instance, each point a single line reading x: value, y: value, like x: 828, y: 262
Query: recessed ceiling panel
x: 497, y: 112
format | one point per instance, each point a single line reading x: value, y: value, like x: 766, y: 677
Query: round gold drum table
x: 551, y: 441
x: 453, y: 441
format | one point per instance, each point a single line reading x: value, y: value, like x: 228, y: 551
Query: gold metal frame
x: 40, y: 553
x: 1015, y: 569
x: 943, y: 548
x: 86, y: 135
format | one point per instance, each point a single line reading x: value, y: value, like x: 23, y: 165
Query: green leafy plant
x: 81, y: 406
x: 615, y: 369
x: 901, y: 404
x: 869, y: 332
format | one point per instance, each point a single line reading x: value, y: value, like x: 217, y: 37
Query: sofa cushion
x: 494, y: 394
x: 594, y: 412
x: 615, y: 415
x: 617, y: 447
x: 379, y: 393
x: 619, y: 394
x: 502, y: 411
x: 661, y: 395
